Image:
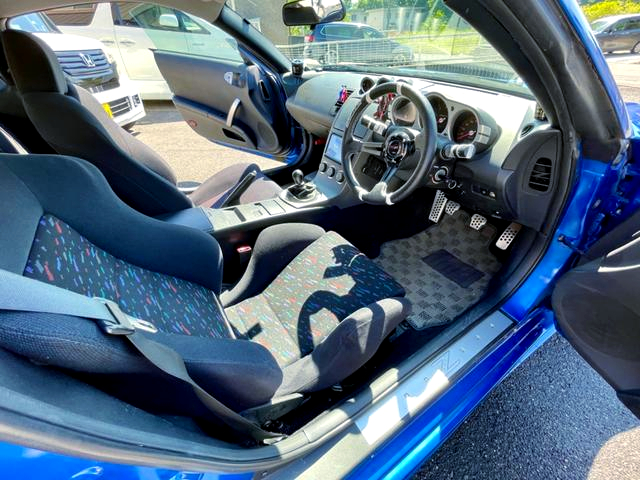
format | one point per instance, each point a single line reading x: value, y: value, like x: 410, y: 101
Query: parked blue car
x: 431, y: 226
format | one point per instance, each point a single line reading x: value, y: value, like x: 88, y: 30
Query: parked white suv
x: 86, y: 64
x: 130, y: 30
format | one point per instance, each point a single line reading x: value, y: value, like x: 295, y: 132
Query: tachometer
x: 403, y: 112
x: 465, y: 127
x: 441, y: 111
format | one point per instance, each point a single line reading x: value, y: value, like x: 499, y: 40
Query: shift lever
x: 300, y: 189
x: 298, y: 178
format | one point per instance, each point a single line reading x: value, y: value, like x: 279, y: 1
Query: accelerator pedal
x: 508, y: 236
x: 478, y: 221
x: 437, y: 209
x: 452, y: 207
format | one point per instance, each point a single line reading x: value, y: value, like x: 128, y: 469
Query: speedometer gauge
x: 465, y: 128
x: 441, y: 111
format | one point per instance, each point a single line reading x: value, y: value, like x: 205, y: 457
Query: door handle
x: 127, y: 42
x: 232, y: 112
x: 198, y: 44
x: 107, y: 41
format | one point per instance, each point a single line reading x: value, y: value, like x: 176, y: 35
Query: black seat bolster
x: 82, y: 198
x: 349, y: 346
x: 138, y: 185
x: 274, y: 249
x: 240, y: 373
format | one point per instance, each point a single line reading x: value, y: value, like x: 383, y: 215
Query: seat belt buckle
x: 121, y: 323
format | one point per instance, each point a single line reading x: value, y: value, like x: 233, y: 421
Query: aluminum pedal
x: 478, y: 221
x: 439, y: 204
x: 452, y: 207
x: 508, y: 236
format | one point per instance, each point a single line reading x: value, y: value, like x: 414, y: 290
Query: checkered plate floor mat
x: 445, y: 269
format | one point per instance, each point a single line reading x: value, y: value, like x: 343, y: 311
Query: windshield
x: 34, y: 23
x: 599, y: 25
x: 419, y: 38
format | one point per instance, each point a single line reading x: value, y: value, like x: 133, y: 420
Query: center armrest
x: 191, y: 217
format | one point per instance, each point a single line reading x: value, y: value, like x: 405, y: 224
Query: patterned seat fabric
x: 327, y: 282
x: 63, y: 257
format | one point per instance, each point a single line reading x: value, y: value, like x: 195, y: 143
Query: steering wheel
x: 403, y: 148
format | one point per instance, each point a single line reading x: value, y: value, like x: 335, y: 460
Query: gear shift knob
x: 298, y: 177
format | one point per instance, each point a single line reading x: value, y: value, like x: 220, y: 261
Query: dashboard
x: 509, y: 173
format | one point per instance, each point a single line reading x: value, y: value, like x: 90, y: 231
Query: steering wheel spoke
x: 371, y: 148
x: 389, y: 173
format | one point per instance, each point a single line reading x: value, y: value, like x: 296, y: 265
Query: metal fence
x: 407, y: 50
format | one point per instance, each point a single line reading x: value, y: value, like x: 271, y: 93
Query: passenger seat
x: 74, y: 123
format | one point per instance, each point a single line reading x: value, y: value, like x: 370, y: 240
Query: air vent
x: 339, y: 103
x: 539, y: 114
x: 526, y: 129
x: 540, y: 178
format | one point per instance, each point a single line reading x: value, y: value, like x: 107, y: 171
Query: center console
x: 305, y: 200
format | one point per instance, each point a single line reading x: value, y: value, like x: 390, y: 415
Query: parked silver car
x: 620, y: 32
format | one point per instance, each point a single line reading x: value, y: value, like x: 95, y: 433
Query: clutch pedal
x: 508, y: 236
x: 439, y: 204
x: 478, y: 221
x: 452, y: 207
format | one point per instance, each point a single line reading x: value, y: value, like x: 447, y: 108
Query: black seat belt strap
x: 18, y: 293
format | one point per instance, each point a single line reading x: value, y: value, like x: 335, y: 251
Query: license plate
x: 107, y: 109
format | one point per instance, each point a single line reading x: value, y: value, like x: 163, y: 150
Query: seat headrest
x: 4, y: 67
x: 32, y: 64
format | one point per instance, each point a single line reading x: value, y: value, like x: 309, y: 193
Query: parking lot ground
x: 626, y: 70
x: 191, y: 156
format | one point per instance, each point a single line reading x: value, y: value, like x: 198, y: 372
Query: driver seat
x: 73, y: 123
x: 309, y: 311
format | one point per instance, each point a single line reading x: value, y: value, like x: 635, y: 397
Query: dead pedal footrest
x: 508, y: 236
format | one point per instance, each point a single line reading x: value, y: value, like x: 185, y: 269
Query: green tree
x: 596, y: 10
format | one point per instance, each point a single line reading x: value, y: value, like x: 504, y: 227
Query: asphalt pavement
x: 191, y: 156
x: 554, y: 417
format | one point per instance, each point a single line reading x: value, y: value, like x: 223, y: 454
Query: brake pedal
x: 439, y: 204
x: 478, y: 221
x: 508, y: 236
x: 452, y: 207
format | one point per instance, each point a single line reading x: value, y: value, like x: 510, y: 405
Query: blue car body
x: 419, y: 438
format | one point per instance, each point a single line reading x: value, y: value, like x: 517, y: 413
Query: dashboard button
x: 331, y: 172
x: 323, y: 167
x: 340, y: 177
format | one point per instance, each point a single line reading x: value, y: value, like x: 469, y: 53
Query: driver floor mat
x: 445, y: 269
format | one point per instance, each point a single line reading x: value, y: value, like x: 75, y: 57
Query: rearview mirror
x: 168, y: 20
x: 312, y: 12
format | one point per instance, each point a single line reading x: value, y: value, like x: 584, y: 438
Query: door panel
x: 228, y: 102
x: 597, y: 309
